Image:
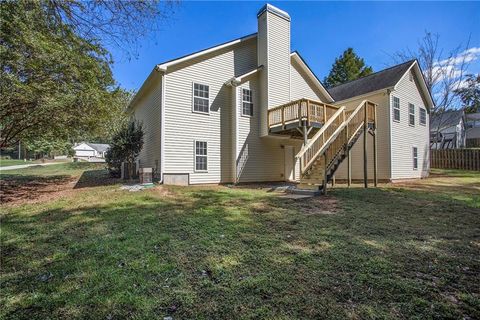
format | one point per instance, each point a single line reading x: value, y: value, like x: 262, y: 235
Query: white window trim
x: 195, y: 156
x: 420, y: 109
x: 409, y: 114
x: 393, y: 109
x: 413, y: 158
x: 193, y: 98
x: 242, y: 101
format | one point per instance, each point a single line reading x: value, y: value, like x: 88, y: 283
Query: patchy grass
x: 399, y: 251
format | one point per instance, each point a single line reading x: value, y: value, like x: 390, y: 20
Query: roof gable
x: 305, y: 69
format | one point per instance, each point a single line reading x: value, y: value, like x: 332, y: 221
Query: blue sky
x: 320, y: 31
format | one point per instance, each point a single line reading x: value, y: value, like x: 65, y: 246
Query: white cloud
x: 451, y: 68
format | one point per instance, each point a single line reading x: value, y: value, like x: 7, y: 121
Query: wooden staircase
x: 323, y: 153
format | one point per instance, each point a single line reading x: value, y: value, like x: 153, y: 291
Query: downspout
x: 390, y: 123
x: 163, y: 79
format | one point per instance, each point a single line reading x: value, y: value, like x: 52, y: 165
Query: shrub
x: 125, y: 147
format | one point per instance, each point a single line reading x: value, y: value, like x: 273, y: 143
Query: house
x: 87, y: 150
x: 404, y: 102
x: 251, y: 110
x: 473, y: 130
x: 448, y: 130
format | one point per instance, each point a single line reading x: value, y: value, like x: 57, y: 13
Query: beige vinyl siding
x: 274, y: 55
x: 148, y: 111
x: 183, y: 127
x: 383, y: 142
x: 278, y: 60
x: 258, y: 159
x: 300, y: 85
x: 405, y: 137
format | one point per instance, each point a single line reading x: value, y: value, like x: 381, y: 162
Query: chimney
x: 273, y: 52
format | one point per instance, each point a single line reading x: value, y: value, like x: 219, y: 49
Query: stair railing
x: 335, y: 135
x: 322, y: 138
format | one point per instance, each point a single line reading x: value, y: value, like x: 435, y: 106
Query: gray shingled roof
x: 376, y: 81
x: 446, y: 119
x: 100, y: 147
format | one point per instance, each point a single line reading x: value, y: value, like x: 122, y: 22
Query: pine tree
x: 347, y: 67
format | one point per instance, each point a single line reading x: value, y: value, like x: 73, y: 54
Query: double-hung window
x: 411, y: 114
x: 396, y: 108
x: 200, y: 156
x: 423, y: 116
x: 415, y: 158
x: 247, y: 102
x: 201, y: 98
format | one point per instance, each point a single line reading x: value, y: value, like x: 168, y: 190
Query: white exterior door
x: 289, y: 163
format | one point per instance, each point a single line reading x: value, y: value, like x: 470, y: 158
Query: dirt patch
x: 324, y: 205
x: 29, y: 189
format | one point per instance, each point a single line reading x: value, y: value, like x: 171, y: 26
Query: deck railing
x: 299, y: 110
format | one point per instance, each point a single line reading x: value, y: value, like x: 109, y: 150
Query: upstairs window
x: 415, y: 158
x: 423, y: 116
x: 200, y: 156
x: 247, y: 102
x: 201, y: 98
x: 410, y: 75
x: 396, y: 109
x: 411, y: 114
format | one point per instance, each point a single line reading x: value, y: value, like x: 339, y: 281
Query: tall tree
x: 349, y: 66
x: 470, y: 93
x: 55, y: 70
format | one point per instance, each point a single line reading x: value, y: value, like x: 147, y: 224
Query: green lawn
x: 94, y: 251
x: 12, y: 162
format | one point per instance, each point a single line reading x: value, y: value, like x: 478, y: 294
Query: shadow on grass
x: 28, y: 187
x: 220, y: 253
x: 95, y: 178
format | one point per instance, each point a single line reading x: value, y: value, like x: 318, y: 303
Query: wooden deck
x: 299, y: 113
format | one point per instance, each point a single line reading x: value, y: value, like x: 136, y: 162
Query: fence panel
x: 465, y: 159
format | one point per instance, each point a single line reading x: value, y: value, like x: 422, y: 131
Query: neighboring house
x: 473, y: 130
x: 86, y: 150
x: 250, y: 110
x: 448, y: 130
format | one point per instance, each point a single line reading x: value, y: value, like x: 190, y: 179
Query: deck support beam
x: 375, y: 174
x: 365, y: 137
x: 349, y: 167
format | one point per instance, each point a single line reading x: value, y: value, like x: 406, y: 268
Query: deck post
x: 365, y: 136
x: 349, y: 169
x: 375, y: 178
x: 324, y: 190
x: 305, y: 134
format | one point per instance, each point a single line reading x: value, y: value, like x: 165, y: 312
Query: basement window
x: 396, y: 109
x: 411, y: 114
x: 415, y: 158
x: 200, y: 156
x: 423, y: 116
x: 201, y: 98
x: 247, y: 103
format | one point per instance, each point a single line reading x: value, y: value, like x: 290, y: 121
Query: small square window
x: 423, y: 116
x: 411, y: 114
x: 200, y: 156
x: 396, y: 108
x: 201, y: 97
x: 415, y: 158
x: 247, y: 102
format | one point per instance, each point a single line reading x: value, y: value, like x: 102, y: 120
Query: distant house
x: 448, y: 130
x: 473, y: 130
x: 87, y: 150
